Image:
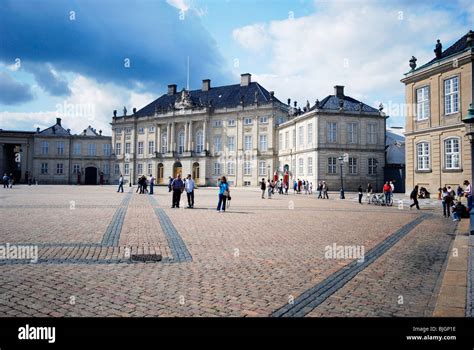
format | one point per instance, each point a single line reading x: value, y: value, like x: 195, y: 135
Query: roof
x: 332, y: 103
x: 89, y: 132
x: 219, y: 97
x: 457, y: 47
x: 395, y: 142
x: 56, y: 129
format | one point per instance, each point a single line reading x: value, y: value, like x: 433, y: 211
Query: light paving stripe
x: 313, y: 297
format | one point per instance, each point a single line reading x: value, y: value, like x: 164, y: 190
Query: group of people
x: 8, y: 181
x: 452, y: 200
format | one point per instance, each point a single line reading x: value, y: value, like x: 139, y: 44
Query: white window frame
x: 332, y: 132
x: 151, y: 147
x: 352, y: 166
x: 91, y: 150
x: 262, y: 168
x: 44, y: 147
x: 60, y: 147
x: 422, y: 103
x: 140, y: 169
x: 231, y: 143
x: 164, y: 142
x: 372, y: 134
x: 263, y: 120
x: 372, y: 166
x: 451, y: 95
x: 300, y: 166
x: 248, y: 121
x: 263, y: 142
x: 217, y: 143
x: 310, y: 134
x: 126, y: 169
x: 247, y: 168
x: 76, y: 168
x: 181, y: 140
x: 248, y: 142
x: 199, y: 141
x: 451, y: 156
x: 118, y: 148
x: 423, y: 158
x: 59, y: 169
x: 301, y: 135
x: 44, y: 168
x: 230, y: 168
x: 140, y: 147
x: 309, y: 166
x: 352, y: 133
x: 106, y: 149
x: 231, y: 122
x: 332, y: 166
x: 77, y: 149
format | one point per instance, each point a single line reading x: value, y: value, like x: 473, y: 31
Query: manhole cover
x: 146, y: 257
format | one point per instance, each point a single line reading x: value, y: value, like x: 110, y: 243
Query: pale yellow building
x: 438, y: 95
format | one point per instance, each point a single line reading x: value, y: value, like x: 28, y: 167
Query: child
x: 457, y: 211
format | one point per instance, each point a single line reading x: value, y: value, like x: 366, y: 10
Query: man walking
x: 263, y: 187
x: 5, y: 180
x: 325, y: 190
x: 152, y: 183
x: 120, y: 187
x: 360, y: 193
x: 189, y: 187
x: 177, y: 186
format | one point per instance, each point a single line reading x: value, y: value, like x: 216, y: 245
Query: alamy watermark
x: 342, y: 252
x: 19, y: 252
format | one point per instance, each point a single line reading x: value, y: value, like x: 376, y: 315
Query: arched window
x: 181, y: 142
x: 160, y: 173
x: 164, y: 143
x: 199, y: 142
x: 196, y: 172
x: 451, y: 153
x: 423, y: 156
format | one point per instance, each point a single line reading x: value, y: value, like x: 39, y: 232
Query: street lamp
x: 469, y: 121
x: 341, y: 163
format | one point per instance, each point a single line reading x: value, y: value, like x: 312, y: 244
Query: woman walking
x: 414, y: 197
x: 224, y: 193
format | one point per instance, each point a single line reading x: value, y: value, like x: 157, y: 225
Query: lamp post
x: 469, y: 121
x: 341, y: 163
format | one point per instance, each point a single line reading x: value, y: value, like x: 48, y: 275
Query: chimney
x: 38, y: 130
x: 245, y: 79
x: 206, y: 85
x: 58, y: 121
x: 339, y: 91
x: 172, y: 89
x: 134, y: 110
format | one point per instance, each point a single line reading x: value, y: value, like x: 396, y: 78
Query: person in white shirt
x: 189, y: 187
x: 120, y: 188
x: 152, y: 183
x: 468, y: 193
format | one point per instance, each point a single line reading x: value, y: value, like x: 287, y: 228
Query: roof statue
x: 183, y: 101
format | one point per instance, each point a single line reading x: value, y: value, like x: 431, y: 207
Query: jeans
x: 360, y: 198
x: 263, y: 193
x: 221, y: 204
x: 151, y: 188
x: 446, y: 209
x: 387, y: 198
x: 176, y: 198
x: 456, y: 215
x: 190, y: 196
x: 120, y: 188
x: 415, y: 203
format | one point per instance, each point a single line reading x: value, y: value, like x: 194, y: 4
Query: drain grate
x: 146, y: 257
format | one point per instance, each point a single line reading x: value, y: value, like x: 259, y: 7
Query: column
x: 158, y: 138
x: 172, y: 137
x: 190, y: 138
x: 186, y: 137
x: 204, y: 138
x: 168, y: 136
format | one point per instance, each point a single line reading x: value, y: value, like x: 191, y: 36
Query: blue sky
x: 82, y: 59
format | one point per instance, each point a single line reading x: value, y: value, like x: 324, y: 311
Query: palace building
x: 439, y: 94
x: 214, y: 131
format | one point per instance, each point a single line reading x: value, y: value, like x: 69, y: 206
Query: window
x: 164, y: 143
x: 77, y: 149
x: 352, y: 133
x: 231, y: 122
x: 181, y: 142
x: 451, y: 95
x: 126, y: 168
x: 140, y: 147
x: 422, y: 103
x: 247, y: 183
x: 248, y: 143
x: 423, y: 155
x: 332, y: 165
x: 128, y: 130
x: 92, y: 149
x: 59, y: 169
x: 301, y: 135
x: 60, y: 147
x: 294, y: 137
x: 217, y: 168
x: 372, y: 133
x: 106, y: 149
x: 106, y: 169
x: 149, y: 169
x: 217, y: 143
x: 352, y: 166
x: 287, y: 140
x: 141, y: 130
x: 139, y: 169
x: 248, y: 121
x: 300, y: 166
x: 280, y: 141
x: 310, y: 166
x: 128, y: 147
x: 372, y: 163
x: 217, y: 123
x: 151, y: 147
x: 44, y: 147
x: 332, y: 132
x: 76, y: 168
x: 117, y: 169
x: 247, y: 168
x: 262, y: 168
x: 230, y: 168
x: 118, y: 131
x: 151, y: 129
x: 118, y: 148
x: 44, y: 168
x: 263, y: 120
x: 263, y: 144
x: 231, y: 143
x: 199, y: 142
x: 451, y: 153
x: 310, y: 133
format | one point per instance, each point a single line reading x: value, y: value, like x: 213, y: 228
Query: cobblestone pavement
x: 260, y: 256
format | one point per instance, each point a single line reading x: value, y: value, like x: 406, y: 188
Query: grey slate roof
x: 56, y: 129
x: 331, y: 103
x: 221, y: 97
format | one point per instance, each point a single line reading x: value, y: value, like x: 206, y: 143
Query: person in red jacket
x: 387, y: 190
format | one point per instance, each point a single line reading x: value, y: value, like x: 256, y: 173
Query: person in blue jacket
x: 224, y: 193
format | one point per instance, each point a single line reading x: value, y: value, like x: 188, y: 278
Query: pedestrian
x: 120, y: 187
x: 414, y: 197
x: 224, y: 194
x: 320, y: 190
x: 269, y: 186
x: 361, y: 191
x: 10, y: 180
x: 369, y: 188
x: 310, y: 188
x: 177, y: 186
x: 300, y: 183
x: 263, y: 187
x: 152, y: 183
x: 447, y: 198
x: 139, y: 185
x: 5, y: 180
x: 144, y: 185
x: 459, y: 192
x: 468, y: 193
x: 457, y: 209
x: 170, y: 181
x: 325, y: 190
x: 295, y: 186
x: 189, y: 187
x: 386, y: 190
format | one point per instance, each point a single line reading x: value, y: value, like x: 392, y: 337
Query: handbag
x: 226, y: 193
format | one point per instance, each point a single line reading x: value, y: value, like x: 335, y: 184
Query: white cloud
x: 182, y: 5
x: 253, y: 37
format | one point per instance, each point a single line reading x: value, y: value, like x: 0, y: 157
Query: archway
x: 177, y: 169
x: 90, y: 176
x: 160, y: 173
x: 196, y: 172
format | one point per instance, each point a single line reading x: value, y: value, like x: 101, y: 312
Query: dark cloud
x: 13, y: 92
x: 150, y: 34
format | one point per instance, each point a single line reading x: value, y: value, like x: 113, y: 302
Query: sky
x: 82, y: 59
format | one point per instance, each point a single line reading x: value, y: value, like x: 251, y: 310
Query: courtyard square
x: 262, y: 257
